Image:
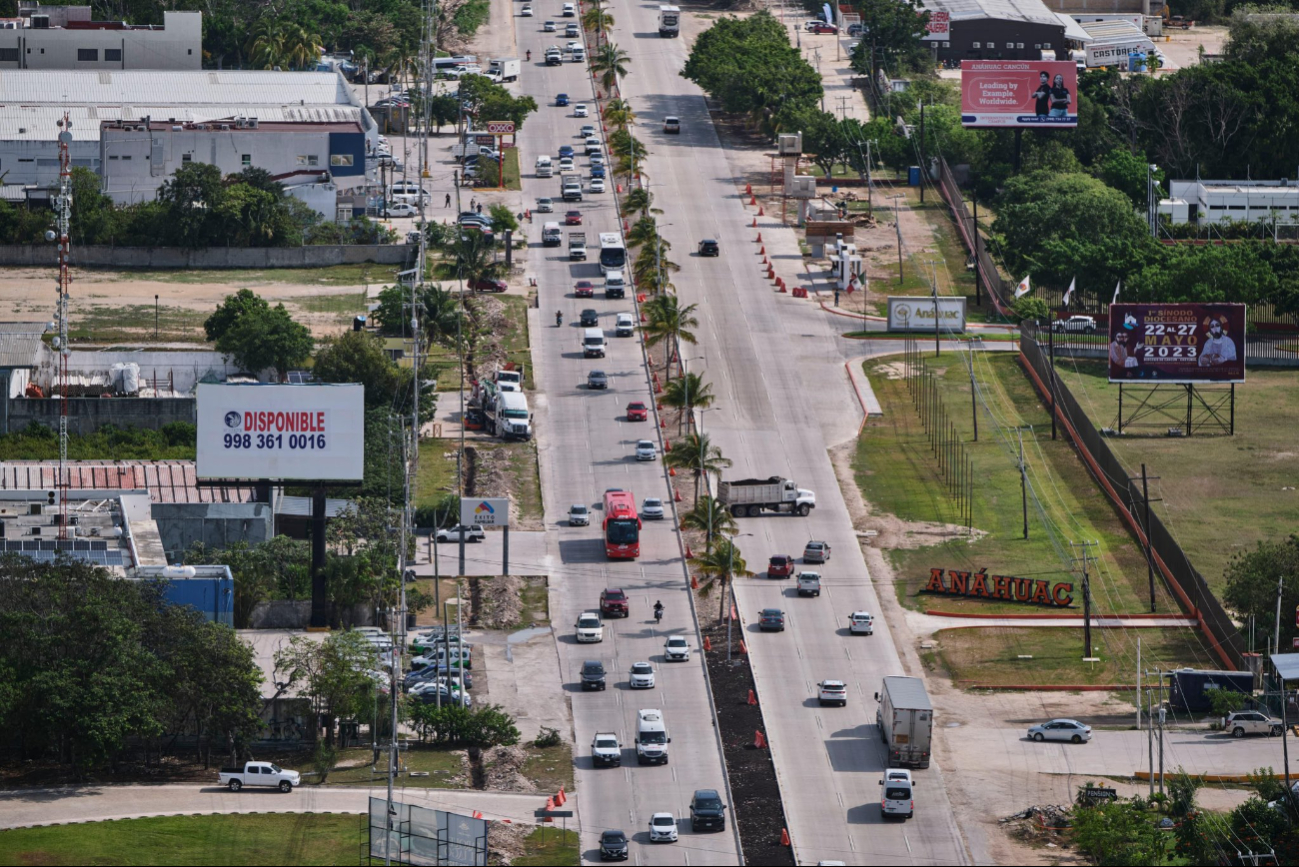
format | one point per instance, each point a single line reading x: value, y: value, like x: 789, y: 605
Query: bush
x: 548, y: 738
x: 1029, y: 307
x: 455, y: 726
x: 1225, y: 701
x: 444, y: 512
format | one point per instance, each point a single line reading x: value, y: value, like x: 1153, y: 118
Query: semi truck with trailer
x: 906, y: 721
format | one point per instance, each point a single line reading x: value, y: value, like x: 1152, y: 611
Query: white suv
x: 1250, y: 722
x: 589, y: 627
x: 1081, y: 324
x: 832, y: 692
x: 861, y: 623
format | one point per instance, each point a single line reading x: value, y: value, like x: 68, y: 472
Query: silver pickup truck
x: 265, y: 774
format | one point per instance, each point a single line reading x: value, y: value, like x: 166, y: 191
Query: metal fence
x: 1124, y: 490
x: 986, y: 269
x: 1262, y: 348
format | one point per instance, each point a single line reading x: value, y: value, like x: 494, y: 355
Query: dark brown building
x: 995, y: 30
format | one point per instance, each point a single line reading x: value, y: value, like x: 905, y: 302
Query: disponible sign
x: 917, y: 314
x: 304, y: 432
x: 1177, y: 342
x: 1019, y: 93
x: 485, y: 512
x: 981, y: 585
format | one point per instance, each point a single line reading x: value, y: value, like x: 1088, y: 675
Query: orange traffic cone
x: 748, y: 189
x: 477, y: 815
x: 755, y: 223
x: 708, y: 645
x: 759, y: 234
x: 672, y: 471
x: 744, y: 648
x: 763, y: 251
x: 753, y: 698
x: 694, y: 583
x: 784, y: 837
x: 663, y: 423
x: 759, y: 740
x: 761, y: 212
x: 667, y: 445
x: 626, y: 227
x: 560, y: 797
x: 753, y: 200
x: 658, y: 389
x: 677, y: 496
x: 619, y: 186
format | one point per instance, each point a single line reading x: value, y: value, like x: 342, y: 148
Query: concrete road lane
x: 585, y: 445
x: 783, y: 397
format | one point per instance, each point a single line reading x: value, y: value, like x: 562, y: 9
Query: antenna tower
x: 63, y: 210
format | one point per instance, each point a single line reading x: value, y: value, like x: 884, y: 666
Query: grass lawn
x: 512, y: 181
x: 536, y: 603
x: 898, y: 474
x: 136, y: 323
x: 437, y: 469
x: 442, y: 766
x: 548, y: 846
x: 525, y: 479
x: 992, y: 655
x: 277, y: 838
x: 329, y: 275
x: 551, y: 767
x: 1220, y: 494
x: 342, y: 304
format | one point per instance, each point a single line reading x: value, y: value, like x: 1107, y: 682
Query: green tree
x: 470, y: 257
x: 503, y: 219
x: 356, y: 356
x: 1120, y: 833
x: 598, y: 19
x: 278, y: 568
x: 669, y: 323
x: 638, y: 201
x: 190, y: 198
x: 711, y: 518
x: 331, y: 674
x: 490, y: 101
x: 94, y: 216
x: 284, y: 44
x: 618, y: 113
x: 892, y: 37
x: 231, y: 310
x: 443, y: 108
x: 695, y: 452
x: 272, y: 340
x: 685, y: 394
x: 719, y: 566
x: 611, y: 62
x: 1252, y: 578
x: 1127, y: 173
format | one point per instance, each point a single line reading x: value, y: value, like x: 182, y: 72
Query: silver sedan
x: 1061, y: 730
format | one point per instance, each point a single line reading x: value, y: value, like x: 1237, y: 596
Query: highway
x: 586, y: 446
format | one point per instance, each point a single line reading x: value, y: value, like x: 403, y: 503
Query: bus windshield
x: 622, y: 532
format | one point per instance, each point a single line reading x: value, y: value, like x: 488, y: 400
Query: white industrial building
x: 1235, y: 201
x: 65, y: 37
x: 32, y: 103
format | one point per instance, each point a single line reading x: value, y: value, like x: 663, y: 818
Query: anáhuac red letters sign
x: 980, y: 585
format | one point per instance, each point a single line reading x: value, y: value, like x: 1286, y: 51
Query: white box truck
x: 906, y: 721
x: 669, y: 21
x: 577, y: 246
x: 507, y: 68
x: 775, y: 494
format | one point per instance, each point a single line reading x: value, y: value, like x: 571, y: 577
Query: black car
x: 707, y: 812
x: 772, y: 619
x: 592, y: 674
x: 597, y: 379
x: 590, y: 318
x: 708, y: 247
x: 613, y: 846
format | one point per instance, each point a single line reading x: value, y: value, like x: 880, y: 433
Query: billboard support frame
x: 1217, y: 414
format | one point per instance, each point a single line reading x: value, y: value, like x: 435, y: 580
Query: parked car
x: 579, y: 515
x: 857, y: 29
x: 1078, y: 324
x: 663, y: 828
x: 593, y: 675
x: 488, y: 284
x: 1250, y: 722
x: 652, y: 509
x: 708, y: 247
x: 637, y: 411
x: 613, y: 846
x: 822, y: 27
x: 832, y: 692
x: 780, y: 566
x: 597, y: 379
x: 614, y: 603
x: 642, y: 676
x: 816, y: 552
x: 771, y: 620
x: 572, y: 218
x: 589, y: 318
x: 454, y: 534
x: 579, y: 110
x: 400, y: 209
x: 675, y: 649
x: 1062, y: 730
x: 646, y: 450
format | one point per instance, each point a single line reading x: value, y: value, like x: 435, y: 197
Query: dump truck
x: 906, y: 721
x: 774, y: 494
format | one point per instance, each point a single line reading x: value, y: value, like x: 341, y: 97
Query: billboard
x: 917, y: 314
x: 417, y: 835
x: 1019, y: 93
x: 485, y: 511
x: 1177, y: 342
x: 307, y: 432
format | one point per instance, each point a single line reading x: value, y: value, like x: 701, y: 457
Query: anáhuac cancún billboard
x: 1177, y: 342
x: 306, y: 432
x: 1019, y: 93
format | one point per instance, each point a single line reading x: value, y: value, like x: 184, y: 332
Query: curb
x: 847, y: 367
x: 1037, y: 687
x: 931, y: 612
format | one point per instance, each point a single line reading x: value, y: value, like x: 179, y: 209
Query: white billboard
x: 485, y: 511
x: 306, y: 432
x: 917, y: 314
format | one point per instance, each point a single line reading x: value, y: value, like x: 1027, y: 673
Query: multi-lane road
x: 782, y: 399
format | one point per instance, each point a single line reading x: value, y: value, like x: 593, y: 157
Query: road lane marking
x: 908, y: 841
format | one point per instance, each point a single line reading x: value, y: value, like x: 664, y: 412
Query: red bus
x: 621, y: 526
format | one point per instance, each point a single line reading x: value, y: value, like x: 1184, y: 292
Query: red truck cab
x: 613, y: 603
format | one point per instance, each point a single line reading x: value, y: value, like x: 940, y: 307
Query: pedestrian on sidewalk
x: 480, y: 207
x: 836, y: 296
x: 472, y: 203
x: 448, y: 204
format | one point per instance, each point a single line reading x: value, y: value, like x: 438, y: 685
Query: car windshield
x: 615, y: 837
x: 653, y: 502
x: 664, y: 820
x: 654, y: 737
x: 578, y: 510
x: 588, y: 620
x: 713, y: 804
x: 622, y: 532
x: 897, y: 793
x: 641, y: 668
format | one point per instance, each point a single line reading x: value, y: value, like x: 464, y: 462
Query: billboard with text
x: 1019, y: 93
x: 1177, y: 342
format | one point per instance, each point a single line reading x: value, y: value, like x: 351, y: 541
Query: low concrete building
x: 65, y: 37
x: 1231, y: 201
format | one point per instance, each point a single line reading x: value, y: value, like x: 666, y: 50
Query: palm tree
x: 710, y: 518
x: 618, y: 112
x: 643, y: 231
x: 597, y: 19
x: 440, y: 314
x: 719, y: 565
x: 629, y: 150
x: 638, y: 201
x: 687, y: 393
x: 284, y: 44
x: 670, y: 322
x: 611, y: 62
x: 652, y: 267
x: 698, y: 454
x: 469, y: 256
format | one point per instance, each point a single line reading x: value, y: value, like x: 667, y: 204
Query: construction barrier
x: 784, y: 837
x: 753, y: 698
x: 799, y: 292
x: 759, y: 741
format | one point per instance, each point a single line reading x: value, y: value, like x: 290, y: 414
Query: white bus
x: 613, y: 255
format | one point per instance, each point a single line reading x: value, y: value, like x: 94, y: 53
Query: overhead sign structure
x: 300, y: 432
x: 1179, y: 343
x: 500, y: 127
x: 1019, y: 93
x: 485, y: 511
x: 917, y: 314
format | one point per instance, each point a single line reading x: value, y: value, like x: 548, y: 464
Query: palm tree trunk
x: 697, y: 475
x: 721, y: 606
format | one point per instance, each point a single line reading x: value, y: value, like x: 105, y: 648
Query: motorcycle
x: 559, y: 319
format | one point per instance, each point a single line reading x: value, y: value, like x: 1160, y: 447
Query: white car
x: 579, y: 110
x: 861, y: 623
x: 652, y: 509
x: 454, y: 534
x: 526, y: 11
x: 597, y: 160
x: 646, y: 450
x: 1078, y: 324
x: 579, y: 515
x: 575, y: 46
x: 400, y: 209
x: 1061, y: 730
x: 832, y: 692
x: 569, y: 10
x: 586, y: 130
x: 676, y: 649
x: 545, y: 206
x: 590, y: 628
x: 663, y: 828
x: 597, y: 185
x: 548, y: 27
x: 565, y: 164
x: 642, y: 676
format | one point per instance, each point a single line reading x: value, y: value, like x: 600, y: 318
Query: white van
x: 651, y: 738
x: 593, y: 343
x: 615, y: 285
x: 579, y: 54
x: 898, y: 795
x: 551, y: 235
x: 544, y: 168
x: 625, y: 327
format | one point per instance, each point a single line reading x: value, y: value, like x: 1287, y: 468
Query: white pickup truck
x: 265, y: 774
x: 605, y: 750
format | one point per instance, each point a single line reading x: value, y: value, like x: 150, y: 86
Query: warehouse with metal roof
x: 995, y: 30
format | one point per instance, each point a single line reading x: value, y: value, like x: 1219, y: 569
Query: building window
x: 125, y: 157
x: 191, y: 51
x: 85, y: 54
x: 1037, y: 45
x: 113, y: 157
x: 1019, y: 45
x: 113, y: 54
x: 1046, y: 45
x: 340, y: 159
x: 1010, y: 45
x: 976, y: 44
x: 947, y: 45
x: 10, y: 55
x: 184, y: 158
x: 247, y: 159
x: 313, y: 160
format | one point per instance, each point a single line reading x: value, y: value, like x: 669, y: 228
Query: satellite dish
x: 65, y: 137
x: 49, y: 235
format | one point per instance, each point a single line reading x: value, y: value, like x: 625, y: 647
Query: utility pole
x: 974, y: 241
x: 974, y: 394
x: 922, y: 152
x: 1023, y: 479
x: 1276, y: 636
x: 1086, y: 591
x: 870, y: 208
x: 1150, y: 739
x: 897, y: 221
x: 1150, y: 555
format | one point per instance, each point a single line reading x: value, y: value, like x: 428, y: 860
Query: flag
x: 1116, y: 292
x: 1069, y: 292
x: 1023, y: 288
x: 852, y: 284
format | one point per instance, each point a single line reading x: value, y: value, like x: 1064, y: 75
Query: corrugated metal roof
x: 1114, y: 31
x: 34, y: 326
x: 38, y: 122
x: 19, y: 349
x: 908, y: 692
x: 166, y: 481
x: 1072, y: 29
x: 1033, y: 11
x: 168, y: 87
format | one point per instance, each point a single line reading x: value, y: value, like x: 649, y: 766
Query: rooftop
x: 165, y: 481
x: 112, y: 530
x: 232, y: 124
x: 1033, y: 11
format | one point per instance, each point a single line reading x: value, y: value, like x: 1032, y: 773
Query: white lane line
x: 907, y: 840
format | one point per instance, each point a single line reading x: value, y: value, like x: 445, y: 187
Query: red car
x: 573, y: 218
x: 822, y: 27
x: 613, y: 603
x: 780, y: 566
x: 487, y: 284
x: 637, y: 411
x: 584, y: 289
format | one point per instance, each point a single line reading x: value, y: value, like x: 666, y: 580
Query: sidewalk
x: 924, y: 623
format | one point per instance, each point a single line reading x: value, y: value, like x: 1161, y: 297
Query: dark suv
x: 708, y: 247
x: 592, y: 674
x: 707, y: 812
x: 613, y: 603
x: 589, y: 318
